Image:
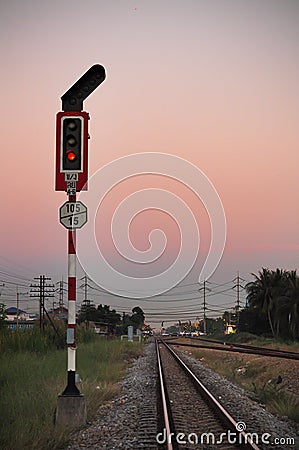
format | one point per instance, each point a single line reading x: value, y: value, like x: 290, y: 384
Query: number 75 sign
x: 73, y: 215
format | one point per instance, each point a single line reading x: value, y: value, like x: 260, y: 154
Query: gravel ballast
x: 119, y: 423
x: 243, y: 409
x: 122, y: 423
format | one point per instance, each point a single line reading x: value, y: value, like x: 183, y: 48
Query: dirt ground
x: 274, y: 369
x: 246, y: 368
x: 257, y: 374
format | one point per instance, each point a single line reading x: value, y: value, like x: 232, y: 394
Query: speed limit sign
x: 73, y: 215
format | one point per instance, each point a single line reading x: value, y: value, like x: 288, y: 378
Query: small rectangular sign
x: 70, y: 336
x: 71, y: 176
x: 71, y: 187
x: 71, y: 191
x: 71, y: 184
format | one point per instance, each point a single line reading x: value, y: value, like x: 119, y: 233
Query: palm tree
x: 277, y: 294
x: 280, y: 303
x: 260, y: 294
x: 293, y: 303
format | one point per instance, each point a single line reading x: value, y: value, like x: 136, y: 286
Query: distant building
x: 99, y: 327
x: 14, y: 313
x: 19, y: 319
x: 59, y: 313
x: 20, y: 324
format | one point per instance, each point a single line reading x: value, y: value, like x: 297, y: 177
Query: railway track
x: 191, y: 417
x: 238, y: 348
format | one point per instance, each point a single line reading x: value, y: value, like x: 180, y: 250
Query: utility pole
x: 204, y: 309
x: 17, y: 309
x: 238, y: 286
x: 238, y: 301
x: 85, y: 291
x: 41, y: 291
x: 60, y: 301
x: 18, y: 304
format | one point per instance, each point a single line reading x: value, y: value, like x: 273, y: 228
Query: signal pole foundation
x: 71, y: 411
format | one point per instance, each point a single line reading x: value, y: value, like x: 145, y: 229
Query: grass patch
x: 276, y: 399
x: 226, y: 364
x: 285, y: 405
x: 31, y: 382
x: 41, y: 341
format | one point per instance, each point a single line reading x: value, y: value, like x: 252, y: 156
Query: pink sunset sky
x: 212, y: 82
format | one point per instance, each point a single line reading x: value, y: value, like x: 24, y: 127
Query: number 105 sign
x: 73, y: 215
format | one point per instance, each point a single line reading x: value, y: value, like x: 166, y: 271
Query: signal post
x: 71, y: 177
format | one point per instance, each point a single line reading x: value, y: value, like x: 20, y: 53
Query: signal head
x: 72, y: 143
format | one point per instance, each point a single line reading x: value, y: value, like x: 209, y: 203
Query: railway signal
x: 72, y: 132
x: 71, y: 151
x: 71, y: 177
x: 73, y: 99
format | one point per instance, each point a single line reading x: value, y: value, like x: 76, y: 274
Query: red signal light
x: 71, y: 156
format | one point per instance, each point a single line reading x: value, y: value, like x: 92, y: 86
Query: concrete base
x: 71, y: 411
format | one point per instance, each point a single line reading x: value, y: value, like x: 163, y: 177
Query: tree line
x: 272, y: 304
x: 117, y: 323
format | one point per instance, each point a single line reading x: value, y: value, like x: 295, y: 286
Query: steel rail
x: 220, y: 411
x: 163, y: 398
x: 226, y: 348
x: 246, y: 346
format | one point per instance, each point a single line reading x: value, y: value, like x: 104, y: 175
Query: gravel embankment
x: 243, y: 409
x: 121, y: 424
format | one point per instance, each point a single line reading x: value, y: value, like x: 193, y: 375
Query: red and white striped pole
x: 71, y: 388
x: 72, y: 166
